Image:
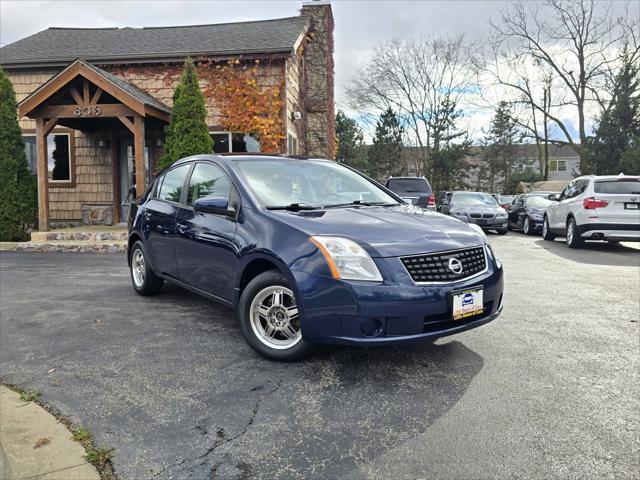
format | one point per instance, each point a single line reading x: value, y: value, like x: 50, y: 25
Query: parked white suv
x: 595, y: 208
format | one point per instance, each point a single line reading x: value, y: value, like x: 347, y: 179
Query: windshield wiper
x: 360, y: 203
x: 293, y: 207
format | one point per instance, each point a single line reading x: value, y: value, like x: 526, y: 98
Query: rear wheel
x: 547, y: 234
x: 574, y: 240
x: 144, y: 280
x: 270, y: 320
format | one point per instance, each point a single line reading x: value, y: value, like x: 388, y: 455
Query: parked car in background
x: 414, y: 190
x: 595, y: 208
x: 477, y: 208
x: 310, y: 251
x: 504, y: 201
x: 527, y: 212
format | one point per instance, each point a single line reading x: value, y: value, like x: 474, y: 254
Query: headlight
x: 536, y: 216
x: 501, y: 215
x: 479, y: 230
x: 492, y: 255
x: 347, y: 260
x: 457, y: 213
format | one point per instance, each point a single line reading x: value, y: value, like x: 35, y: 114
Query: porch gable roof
x: 135, y: 98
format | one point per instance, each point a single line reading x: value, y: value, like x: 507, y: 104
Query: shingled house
x: 93, y: 103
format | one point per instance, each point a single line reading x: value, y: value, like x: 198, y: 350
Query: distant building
x: 564, y: 162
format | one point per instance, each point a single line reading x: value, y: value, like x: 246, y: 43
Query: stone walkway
x: 33, y: 444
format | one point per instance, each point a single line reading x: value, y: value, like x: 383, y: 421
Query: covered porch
x: 115, y: 134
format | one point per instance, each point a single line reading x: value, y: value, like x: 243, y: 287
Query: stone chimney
x: 317, y: 77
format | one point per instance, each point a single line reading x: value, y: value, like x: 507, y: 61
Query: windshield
x: 317, y: 183
x: 408, y: 185
x: 538, y: 202
x: 629, y: 186
x: 473, y: 199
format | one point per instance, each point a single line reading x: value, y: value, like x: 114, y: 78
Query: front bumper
x: 359, y: 313
x: 485, y: 223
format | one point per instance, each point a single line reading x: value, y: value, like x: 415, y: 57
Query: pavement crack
x: 221, y: 441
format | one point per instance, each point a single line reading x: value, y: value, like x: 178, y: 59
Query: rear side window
x: 620, y: 186
x: 207, y: 180
x: 173, y: 183
x: 409, y: 185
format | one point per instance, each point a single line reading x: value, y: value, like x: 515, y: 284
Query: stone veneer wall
x: 318, y: 81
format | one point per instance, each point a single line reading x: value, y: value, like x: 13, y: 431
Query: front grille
x: 475, y: 215
x: 487, y: 215
x: 434, y: 267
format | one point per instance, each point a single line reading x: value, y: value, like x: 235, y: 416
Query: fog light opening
x: 372, y: 327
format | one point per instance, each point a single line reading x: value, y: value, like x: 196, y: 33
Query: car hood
x: 387, y: 231
x: 536, y: 211
x: 477, y: 208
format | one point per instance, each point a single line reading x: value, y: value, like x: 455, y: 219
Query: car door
x: 159, y: 222
x: 516, y: 211
x: 206, y: 250
x: 558, y: 214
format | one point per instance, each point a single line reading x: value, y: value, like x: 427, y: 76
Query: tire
x: 143, y: 278
x: 276, y: 334
x: 573, y: 238
x: 501, y: 231
x: 526, y: 226
x: 547, y: 234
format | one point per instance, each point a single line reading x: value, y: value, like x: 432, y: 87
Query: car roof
x: 228, y: 157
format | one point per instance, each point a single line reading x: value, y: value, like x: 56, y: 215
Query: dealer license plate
x: 467, y: 303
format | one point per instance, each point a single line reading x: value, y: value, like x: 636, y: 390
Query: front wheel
x: 144, y: 280
x: 502, y: 231
x: 574, y: 240
x: 547, y: 234
x: 270, y: 320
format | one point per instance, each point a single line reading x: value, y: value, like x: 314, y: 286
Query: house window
x: 59, y: 156
x: 226, y: 142
x: 292, y: 144
x: 557, y: 165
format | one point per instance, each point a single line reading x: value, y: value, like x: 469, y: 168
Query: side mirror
x: 423, y: 201
x: 554, y: 197
x: 215, y: 205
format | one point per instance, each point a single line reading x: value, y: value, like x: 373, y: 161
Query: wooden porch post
x: 138, y: 139
x: 43, y: 176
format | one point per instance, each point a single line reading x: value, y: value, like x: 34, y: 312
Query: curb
x: 33, y: 443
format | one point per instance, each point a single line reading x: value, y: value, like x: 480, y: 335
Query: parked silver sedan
x: 477, y: 208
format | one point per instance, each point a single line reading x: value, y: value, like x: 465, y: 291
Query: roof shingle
x: 63, y: 45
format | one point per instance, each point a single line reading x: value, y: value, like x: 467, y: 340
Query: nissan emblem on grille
x: 455, y: 265
x: 447, y: 266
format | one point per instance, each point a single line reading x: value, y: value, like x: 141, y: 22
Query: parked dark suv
x: 414, y: 190
x: 310, y: 251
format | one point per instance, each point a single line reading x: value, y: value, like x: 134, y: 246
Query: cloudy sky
x: 359, y: 25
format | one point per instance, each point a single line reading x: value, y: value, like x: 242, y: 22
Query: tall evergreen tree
x: 385, y: 155
x: 615, y: 147
x: 450, y: 148
x: 18, y: 189
x: 187, y: 133
x: 501, y: 152
x: 350, y: 142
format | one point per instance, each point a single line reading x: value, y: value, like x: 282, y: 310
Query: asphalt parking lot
x: 549, y: 390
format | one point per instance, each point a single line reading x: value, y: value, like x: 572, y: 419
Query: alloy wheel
x: 138, y: 268
x: 274, y: 318
x: 526, y: 226
x: 570, y: 232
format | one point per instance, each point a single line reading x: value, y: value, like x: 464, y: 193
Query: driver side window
x: 207, y: 180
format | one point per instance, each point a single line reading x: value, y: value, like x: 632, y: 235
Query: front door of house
x: 126, y: 174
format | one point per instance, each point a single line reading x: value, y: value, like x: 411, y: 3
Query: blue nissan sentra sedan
x: 309, y: 251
